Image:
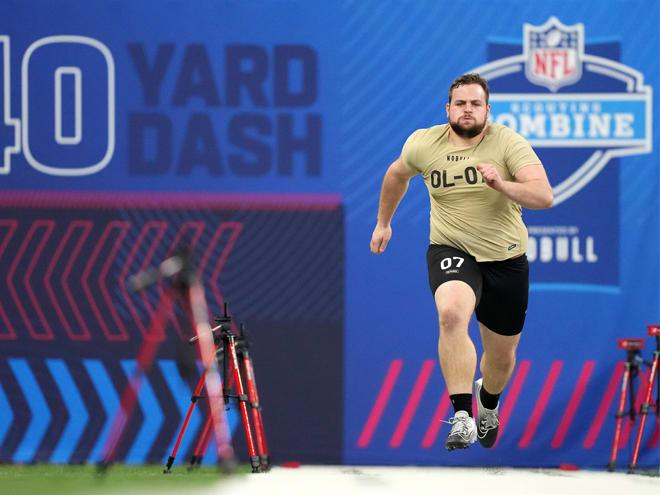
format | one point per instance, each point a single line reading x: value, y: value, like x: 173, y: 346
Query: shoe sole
x: 457, y: 445
x: 487, y: 445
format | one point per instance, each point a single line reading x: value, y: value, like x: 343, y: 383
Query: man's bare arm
x: 394, y: 187
x: 530, y: 189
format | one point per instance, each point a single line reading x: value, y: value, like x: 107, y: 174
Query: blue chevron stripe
x: 109, y: 400
x: 78, y: 415
x: 153, y: 417
x: 181, y: 394
x: 6, y: 416
x: 38, y: 407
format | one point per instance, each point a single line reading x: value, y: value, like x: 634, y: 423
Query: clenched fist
x: 490, y: 175
x: 380, y: 238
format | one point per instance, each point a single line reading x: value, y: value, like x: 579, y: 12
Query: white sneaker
x: 463, y: 431
x: 488, y: 420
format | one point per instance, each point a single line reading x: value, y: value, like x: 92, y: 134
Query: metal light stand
x: 237, y: 370
x: 193, y: 402
x: 653, y: 331
x: 229, y: 353
x: 242, y: 349
x: 631, y: 371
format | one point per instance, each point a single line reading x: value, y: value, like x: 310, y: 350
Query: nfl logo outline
x: 553, y: 53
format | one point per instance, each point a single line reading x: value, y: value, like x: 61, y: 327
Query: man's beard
x: 468, y: 132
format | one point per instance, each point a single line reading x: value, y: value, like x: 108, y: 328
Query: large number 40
x: 78, y: 138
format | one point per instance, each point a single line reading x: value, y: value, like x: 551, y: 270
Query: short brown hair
x: 469, y: 79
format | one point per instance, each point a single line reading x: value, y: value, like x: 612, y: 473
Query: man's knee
x: 502, y: 358
x: 455, y: 302
x: 452, y: 319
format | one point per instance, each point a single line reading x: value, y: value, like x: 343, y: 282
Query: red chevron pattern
x: 160, y: 228
x: 69, y: 277
x: 110, y: 335
x: 11, y: 226
x: 83, y: 333
x: 45, y: 228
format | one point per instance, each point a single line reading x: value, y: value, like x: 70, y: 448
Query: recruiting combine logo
x: 581, y: 109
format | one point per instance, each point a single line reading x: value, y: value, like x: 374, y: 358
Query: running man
x: 479, y: 176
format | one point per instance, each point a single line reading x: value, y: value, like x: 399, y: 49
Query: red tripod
x: 237, y: 368
x: 184, y: 284
x: 193, y: 402
x: 631, y: 371
x: 654, y: 331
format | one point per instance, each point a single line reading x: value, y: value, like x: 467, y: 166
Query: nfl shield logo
x: 553, y: 53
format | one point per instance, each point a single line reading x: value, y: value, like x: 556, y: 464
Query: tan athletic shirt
x: 465, y: 212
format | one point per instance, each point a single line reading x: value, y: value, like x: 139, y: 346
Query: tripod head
x: 654, y: 331
x: 633, y: 348
x: 225, y: 318
x: 630, y: 344
x: 178, y: 268
x: 217, y: 333
x: 223, y: 329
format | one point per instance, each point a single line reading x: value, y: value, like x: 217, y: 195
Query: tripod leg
x: 193, y: 401
x: 242, y: 400
x: 619, y: 417
x: 256, y: 410
x: 197, y: 456
x: 132, y: 388
x: 644, y: 411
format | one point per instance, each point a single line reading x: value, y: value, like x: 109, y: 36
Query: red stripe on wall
x: 541, y: 403
x: 512, y: 396
x: 413, y: 401
x: 603, y: 409
x: 436, y: 422
x: 573, y: 404
x: 655, y: 436
x: 381, y: 401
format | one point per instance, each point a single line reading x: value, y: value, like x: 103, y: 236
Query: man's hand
x: 530, y: 188
x: 490, y: 175
x: 380, y: 238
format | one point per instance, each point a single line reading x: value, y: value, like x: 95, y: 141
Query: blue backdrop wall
x: 258, y: 134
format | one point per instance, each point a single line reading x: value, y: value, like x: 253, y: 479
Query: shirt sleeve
x: 410, y: 151
x: 517, y: 152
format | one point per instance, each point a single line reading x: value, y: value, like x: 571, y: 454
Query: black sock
x: 488, y: 400
x: 462, y: 402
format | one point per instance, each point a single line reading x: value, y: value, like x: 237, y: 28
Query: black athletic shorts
x: 501, y: 287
